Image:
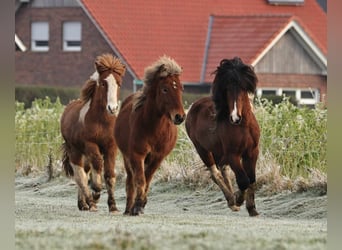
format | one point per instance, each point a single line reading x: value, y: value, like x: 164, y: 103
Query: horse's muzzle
x: 113, y: 110
x: 178, y: 119
x: 236, y: 120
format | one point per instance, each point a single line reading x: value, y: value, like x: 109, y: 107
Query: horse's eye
x: 164, y: 90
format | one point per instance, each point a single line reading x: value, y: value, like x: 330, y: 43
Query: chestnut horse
x: 146, y: 131
x: 87, y: 128
x: 225, y: 131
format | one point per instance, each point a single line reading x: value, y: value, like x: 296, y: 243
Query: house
x: 285, y: 41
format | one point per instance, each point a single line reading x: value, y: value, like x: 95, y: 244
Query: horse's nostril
x: 179, y: 119
x: 235, y: 120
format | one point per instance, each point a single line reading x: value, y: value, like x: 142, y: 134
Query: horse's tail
x: 66, y: 162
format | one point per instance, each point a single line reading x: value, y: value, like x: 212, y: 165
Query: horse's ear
x: 97, y: 66
x: 162, y: 72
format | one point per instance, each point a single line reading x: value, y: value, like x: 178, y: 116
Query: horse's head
x: 162, y: 78
x: 233, y: 82
x: 108, y: 77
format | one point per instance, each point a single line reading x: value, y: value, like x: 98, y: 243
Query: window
x: 40, y: 36
x: 290, y: 93
x: 72, y: 36
x: 305, y: 97
x: 268, y: 92
x: 307, y: 94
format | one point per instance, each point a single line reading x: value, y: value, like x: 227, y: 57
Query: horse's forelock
x: 163, y: 67
x: 231, y: 73
x: 109, y: 62
x: 235, y: 72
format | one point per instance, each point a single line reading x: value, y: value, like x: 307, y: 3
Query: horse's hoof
x: 114, y: 211
x: 234, y: 208
x: 239, y: 198
x: 112, y: 208
x: 252, y: 212
x: 137, y: 211
x: 96, y: 196
x: 93, y: 208
x: 126, y: 213
x: 83, y: 206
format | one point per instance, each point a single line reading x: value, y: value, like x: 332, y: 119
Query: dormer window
x: 72, y: 34
x: 40, y: 36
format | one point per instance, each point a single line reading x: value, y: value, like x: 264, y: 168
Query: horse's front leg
x: 241, y: 176
x: 130, y: 187
x: 249, y: 163
x: 216, y: 176
x: 137, y: 164
x: 109, y: 176
x: 150, y: 169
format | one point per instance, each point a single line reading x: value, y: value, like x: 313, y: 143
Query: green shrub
x: 295, y: 137
x: 27, y: 94
x: 37, y: 133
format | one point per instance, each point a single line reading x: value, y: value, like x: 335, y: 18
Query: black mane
x: 231, y: 74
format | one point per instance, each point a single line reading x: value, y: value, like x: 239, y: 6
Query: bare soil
x: 176, y: 217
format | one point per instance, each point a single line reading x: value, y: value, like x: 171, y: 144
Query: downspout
x: 206, y: 48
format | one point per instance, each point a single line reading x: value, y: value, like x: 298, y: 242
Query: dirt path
x: 46, y: 217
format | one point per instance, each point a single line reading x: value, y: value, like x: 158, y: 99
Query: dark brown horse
x: 87, y: 128
x: 146, y: 130
x: 225, y: 131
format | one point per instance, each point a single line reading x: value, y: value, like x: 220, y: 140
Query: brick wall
x: 57, y: 67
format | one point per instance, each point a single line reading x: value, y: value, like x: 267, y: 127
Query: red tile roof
x: 242, y: 36
x: 141, y: 31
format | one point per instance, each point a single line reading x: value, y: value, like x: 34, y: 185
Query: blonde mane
x: 163, y: 67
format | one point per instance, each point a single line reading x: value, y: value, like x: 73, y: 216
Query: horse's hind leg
x: 85, y: 200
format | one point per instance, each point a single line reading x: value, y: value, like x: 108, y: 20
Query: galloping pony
x: 87, y: 128
x: 225, y: 131
x: 146, y: 131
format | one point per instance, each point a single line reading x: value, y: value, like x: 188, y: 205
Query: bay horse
x: 87, y: 128
x: 225, y: 131
x: 146, y: 130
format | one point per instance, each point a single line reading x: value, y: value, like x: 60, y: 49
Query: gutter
x: 206, y: 48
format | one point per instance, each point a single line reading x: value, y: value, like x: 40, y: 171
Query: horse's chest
x: 163, y: 140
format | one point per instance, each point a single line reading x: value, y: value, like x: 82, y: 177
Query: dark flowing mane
x: 163, y: 67
x: 231, y: 73
x: 88, y: 90
x: 102, y: 63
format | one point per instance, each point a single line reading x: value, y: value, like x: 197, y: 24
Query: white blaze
x: 112, y: 97
x: 234, y: 115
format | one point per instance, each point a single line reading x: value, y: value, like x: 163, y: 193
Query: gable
x: 290, y: 55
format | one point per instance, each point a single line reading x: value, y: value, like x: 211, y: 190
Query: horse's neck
x: 152, y: 116
x: 97, y: 110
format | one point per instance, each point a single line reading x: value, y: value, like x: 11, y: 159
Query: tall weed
x: 293, y: 144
